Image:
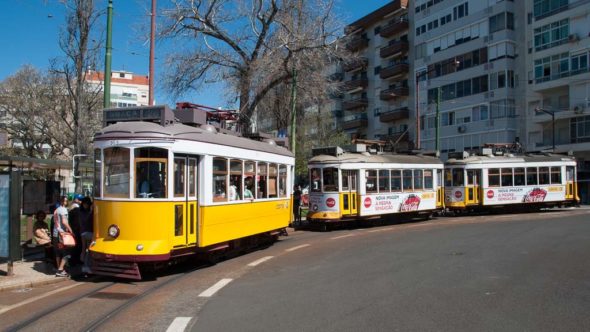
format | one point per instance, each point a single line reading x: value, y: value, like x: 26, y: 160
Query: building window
x: 548, y: 7
x: 501, y: 21
x: 580, y: 129
x: 551, y: 35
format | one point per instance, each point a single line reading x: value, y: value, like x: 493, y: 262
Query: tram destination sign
x: 159, y: 114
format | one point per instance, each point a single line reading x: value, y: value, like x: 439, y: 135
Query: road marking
x: 213, y: 289
x: 36, y: 298
x: 260, y: 261
x: 341, y: 236
x: 380, y: 230
x: 298, y: 247
x: 179, y: 324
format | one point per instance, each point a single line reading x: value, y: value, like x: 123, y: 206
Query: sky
x: 30, y: 30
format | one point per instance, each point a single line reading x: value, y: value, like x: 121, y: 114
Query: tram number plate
x: 281, y: 206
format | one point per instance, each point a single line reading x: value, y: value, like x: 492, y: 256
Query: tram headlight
x: 139, y: 247
x: 114, y: 231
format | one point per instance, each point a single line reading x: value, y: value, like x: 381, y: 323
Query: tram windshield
x: 150, y: 172
x: 116, y: 172
x: 330, y: 179
x: 315, y: 179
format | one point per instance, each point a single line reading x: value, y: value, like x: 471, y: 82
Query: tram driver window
x: 116, y: 172
x: 494, y: 177
x: 371, y: 183
x: 330, y: 179
x: 458, y: 177
x: 219, y: 180
x: 150, y: 172
x: 555, y: 175
x: 448, y: 178
x: 315, y: 180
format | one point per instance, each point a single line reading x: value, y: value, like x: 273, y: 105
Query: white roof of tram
x: 391, y: 158
x: 142, y: 130
x: 509, y: 158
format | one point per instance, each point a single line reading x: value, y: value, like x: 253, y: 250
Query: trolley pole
x: 152, y: 50
x: 437, y: 120
x: 417, y: 112
x: 293, y: 111
x: 108, y: 56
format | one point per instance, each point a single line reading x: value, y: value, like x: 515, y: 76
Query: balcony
x: 395, y: 48
x: 395, y: 92
x: 354, y: 121
x: 357, y: 43
x: 355, y: 64
x: 394, y: 27
x: 394, y: 114
x: 394, y: 70
x: 354, y: 104
x: 355, y: 84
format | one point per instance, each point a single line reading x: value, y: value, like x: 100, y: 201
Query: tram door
x: 185, y: 200
x: 473, y: 186
x: 348, y: 203
x: 570, y: 187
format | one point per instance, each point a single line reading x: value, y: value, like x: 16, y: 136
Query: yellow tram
x: 168, y: 189
x: 492, y: 180
x: 364, y: 183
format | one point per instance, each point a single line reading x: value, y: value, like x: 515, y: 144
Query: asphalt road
x: 528, y: 272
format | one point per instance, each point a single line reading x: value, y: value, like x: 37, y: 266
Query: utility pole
x: 107, y: 57
x: 417, y: 112
x: 293, y: 110
x: 437, y: 120
x: 152, y: 50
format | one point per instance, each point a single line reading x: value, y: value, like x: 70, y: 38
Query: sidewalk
x: 32, y: 271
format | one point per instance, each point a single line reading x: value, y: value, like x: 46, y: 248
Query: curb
x: 31, y: 284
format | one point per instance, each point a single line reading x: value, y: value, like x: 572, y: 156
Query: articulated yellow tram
x: 165, y: 190
x: 527, y: 182
x: 364, y: 184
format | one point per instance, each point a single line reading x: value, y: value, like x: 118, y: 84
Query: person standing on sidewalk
x: 297, y: 205
x: 61, y: 224
x: 87, y: 231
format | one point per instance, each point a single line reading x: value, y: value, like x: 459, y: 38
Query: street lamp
x: 419, y: 76
x: 552, y: 113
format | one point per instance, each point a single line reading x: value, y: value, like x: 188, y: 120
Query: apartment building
x: 127, y: 88
x: 558, y: 80
x: 376, y: 92
x: 469, y: 58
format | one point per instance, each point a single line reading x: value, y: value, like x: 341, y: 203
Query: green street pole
x: 107, y: 57
x: 293, y: 110
x: 437, y: 120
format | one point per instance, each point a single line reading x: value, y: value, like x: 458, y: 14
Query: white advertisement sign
x: 324, y: 202
x: 401, y: 202
x: 528, y: 194
x: 455, y: 194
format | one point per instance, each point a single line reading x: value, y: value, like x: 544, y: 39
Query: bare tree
x: 252, y: 46
x: 79, y: 114
x: 26, y: 98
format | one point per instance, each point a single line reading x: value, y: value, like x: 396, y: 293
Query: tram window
x: 272, y: 180
x: 371, y: 185
x: 261, y: 180
x: 556, y: 175
x: 235, y: 180
x: 383, y: 181
x: 494, y: 177
x: 178, y: 220
x: 192, y: 177
x: 418, y: 179
x: 116, y: 172
x: 407, y: 179
x: 97, y: 173
x: 219, y: 179
x: 507, y: 177
x: 570, y: 173
x: 330, y: 179
x: 470, y: 174
x: 345, y: 185
x: 249, y: 176
x: 428, y: 179
x: 458, y: 177
x: 179, y: 177
x: 396, y: 180
x: 439, y: 177
x: 150, y: 172
x: 448, y: 178
x: 315, y: 180
x: 531, y: 176
x: 543, y: 175
x: 519, y: 176
x: 282, y: 181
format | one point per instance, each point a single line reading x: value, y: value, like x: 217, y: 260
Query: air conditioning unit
x: 461, y: 129
x: 579, y: 109
x: 573, y: 37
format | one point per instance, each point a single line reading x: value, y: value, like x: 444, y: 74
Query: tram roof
x: 527, y: 158
x: 393, y: 158
x: 149, y: 130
